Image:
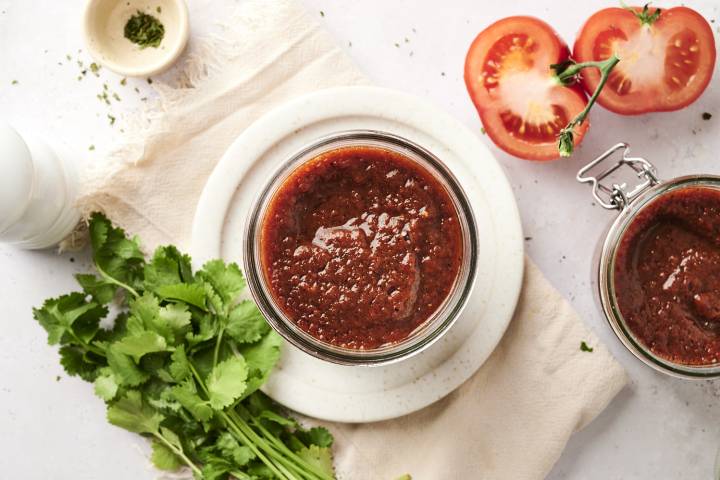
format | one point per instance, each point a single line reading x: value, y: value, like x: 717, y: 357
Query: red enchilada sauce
x: 667, y: 276
x: 360, y: 245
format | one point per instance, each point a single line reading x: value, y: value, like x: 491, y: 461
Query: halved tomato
x: 521, y: 103
x: 665, y: 62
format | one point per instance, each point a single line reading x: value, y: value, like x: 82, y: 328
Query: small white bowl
x: 104, y: 29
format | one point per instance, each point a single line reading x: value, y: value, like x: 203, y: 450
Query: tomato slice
x: 664, y: 65
x: 521, y: 104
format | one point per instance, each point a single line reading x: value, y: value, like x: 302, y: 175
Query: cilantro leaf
x: 139, y: 344
x: 167, y: 267
x: 215, y: 467
x: 246, y: 324
x: 75, y: 362
x: 319, y: 457
x: 230, y: 448
x: 163, y: 458
x: 106, y: 386
x: 192, y: 293
x: 227, y: 280
x: 117, y: 258
x: 279, y: 419
x: 207, y: 329
x: 58, y: 316
x: 186, y: 394
x: 226, y: 382
x: 101, y: 291
x: 179, y: 366
x: 319, y: 436
x: 261, y: 357
x: 131, y: 413
x: 125, y: 369
x: 174, y: 319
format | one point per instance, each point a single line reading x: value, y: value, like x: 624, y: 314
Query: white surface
x: 351, y: 394
x: 657, y: 428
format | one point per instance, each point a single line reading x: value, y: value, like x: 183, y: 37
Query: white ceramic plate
x: 363, y: 394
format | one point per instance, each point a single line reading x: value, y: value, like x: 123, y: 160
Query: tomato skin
x: 675, y: 86
x: 541, y: 47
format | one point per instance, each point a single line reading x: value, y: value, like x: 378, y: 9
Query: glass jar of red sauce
x: 658, y: 271
x: 361, y: 249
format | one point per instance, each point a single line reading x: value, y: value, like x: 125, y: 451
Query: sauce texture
x: 360, y: 246
x: 667, y: 276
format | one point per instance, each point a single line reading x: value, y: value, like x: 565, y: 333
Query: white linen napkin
x: 512, y: 419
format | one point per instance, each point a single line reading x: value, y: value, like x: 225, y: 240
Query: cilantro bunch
x: 181, y: 362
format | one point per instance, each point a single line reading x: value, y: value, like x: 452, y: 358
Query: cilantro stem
x: 218, y: 341
x: 87, y: 346
x: 179, y: 452
x: 281, y: 446
x: 115, y: 281
x: 565, y: 138
x: 240, y: 435
x: 301, y: 469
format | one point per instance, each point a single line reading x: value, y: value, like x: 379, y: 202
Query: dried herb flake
x: 144, y: 30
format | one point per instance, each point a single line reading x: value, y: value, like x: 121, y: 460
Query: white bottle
x: 38, y: 188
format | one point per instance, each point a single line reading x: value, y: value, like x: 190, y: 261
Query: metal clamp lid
x: 617, y: 196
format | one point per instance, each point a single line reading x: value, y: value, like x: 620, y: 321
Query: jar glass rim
x: 606, y: 278
x: 426, y: 333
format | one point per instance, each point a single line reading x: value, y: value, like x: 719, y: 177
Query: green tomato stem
x: 565, y: 139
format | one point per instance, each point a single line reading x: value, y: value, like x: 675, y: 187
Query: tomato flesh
x: 508, y: 76
x: 663, y: 66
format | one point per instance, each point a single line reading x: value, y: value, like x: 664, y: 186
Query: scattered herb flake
x: 322, y: 14
x: 159, y: 9
x: 149, y: 80
x: 137, y: 90
x: 14, y: 82
x: 482, y: 130
x: 585, y: 348
x: 116, y: 96
x: 123, y: 82
x: 111, y: 118
x: 397, y: 45
x: 706, y: 115
x: 91, y: 148
x: 95, y: 68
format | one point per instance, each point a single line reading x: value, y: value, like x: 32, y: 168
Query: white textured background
x: 52, y: 427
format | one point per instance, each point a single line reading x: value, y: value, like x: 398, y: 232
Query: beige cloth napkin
x: 512, y: 419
